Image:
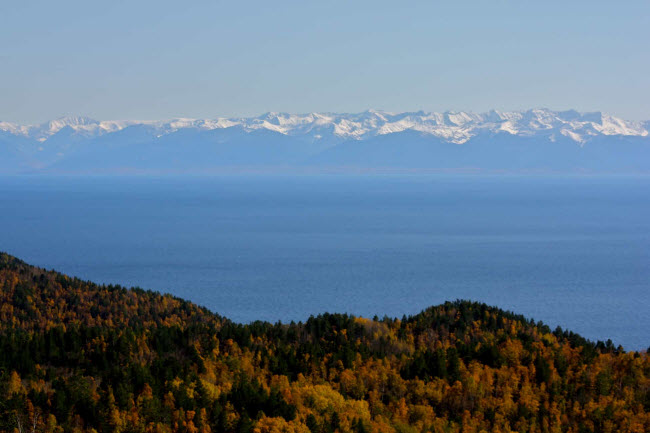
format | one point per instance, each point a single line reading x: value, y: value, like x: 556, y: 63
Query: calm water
x: 571, y: 251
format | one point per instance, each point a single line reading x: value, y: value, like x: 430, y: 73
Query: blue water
x: 570, y: 251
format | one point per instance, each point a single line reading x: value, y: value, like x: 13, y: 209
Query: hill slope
x: 75, y: 356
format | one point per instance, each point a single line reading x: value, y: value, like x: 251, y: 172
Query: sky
x: 162, y: 59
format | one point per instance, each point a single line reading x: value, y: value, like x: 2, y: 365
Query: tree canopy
x: 81, y: 357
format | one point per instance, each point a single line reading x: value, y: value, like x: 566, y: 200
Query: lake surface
x: 570, y: 251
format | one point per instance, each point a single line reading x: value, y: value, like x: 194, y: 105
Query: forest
x: 81, y: 357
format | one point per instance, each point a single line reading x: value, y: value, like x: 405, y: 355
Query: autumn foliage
x: 79, y: 357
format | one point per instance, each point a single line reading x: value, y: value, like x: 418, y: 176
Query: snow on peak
x: 456, y: 127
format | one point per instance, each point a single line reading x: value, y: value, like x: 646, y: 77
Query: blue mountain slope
x: 12, y: 159
x: 538, y: 140
x: 501, y: 151
x: 138, y: 148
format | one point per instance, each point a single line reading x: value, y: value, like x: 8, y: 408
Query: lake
x: 572, y: 251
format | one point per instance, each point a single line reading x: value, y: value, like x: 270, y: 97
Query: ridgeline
x: 81, y: 357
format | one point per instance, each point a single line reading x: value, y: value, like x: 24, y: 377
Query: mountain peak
x: 71, y: 121
x: 452, y: 126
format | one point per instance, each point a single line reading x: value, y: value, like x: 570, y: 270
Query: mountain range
x: 533, y: 140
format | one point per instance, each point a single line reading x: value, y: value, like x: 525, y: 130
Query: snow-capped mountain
x: 455, y: 127
x: 418, y: 139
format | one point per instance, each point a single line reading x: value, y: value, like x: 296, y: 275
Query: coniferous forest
x: 80, y: 357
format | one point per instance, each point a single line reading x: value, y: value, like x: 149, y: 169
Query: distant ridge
x: 537, y: 139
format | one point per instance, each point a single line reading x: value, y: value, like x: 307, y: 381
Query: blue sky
x: 162, y: 59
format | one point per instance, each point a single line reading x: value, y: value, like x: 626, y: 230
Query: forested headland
x: 81, y: 357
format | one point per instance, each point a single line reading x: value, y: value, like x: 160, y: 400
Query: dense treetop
x: 35, y: 299
x: 76, y: 356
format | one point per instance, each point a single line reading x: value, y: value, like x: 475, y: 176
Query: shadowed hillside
x: 76, y: 356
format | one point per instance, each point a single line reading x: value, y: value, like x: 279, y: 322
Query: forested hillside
x: 79, y: 357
